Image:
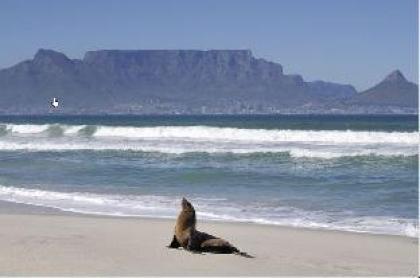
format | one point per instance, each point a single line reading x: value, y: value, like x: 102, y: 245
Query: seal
x: 188, y: 237
x: 185, y: 226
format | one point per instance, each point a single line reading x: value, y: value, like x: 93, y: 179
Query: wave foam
x: 188, y: 139
x: 186, y: 148
x: 167, y: 207
x: 209, y: 133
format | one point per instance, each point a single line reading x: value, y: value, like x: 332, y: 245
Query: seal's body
x: 189, y: 238
x: 185, y: 225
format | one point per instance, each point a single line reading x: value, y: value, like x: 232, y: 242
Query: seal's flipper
x: 243, y: 254
x: 174, y: 243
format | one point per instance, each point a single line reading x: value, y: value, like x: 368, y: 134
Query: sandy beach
x: 54, y: 244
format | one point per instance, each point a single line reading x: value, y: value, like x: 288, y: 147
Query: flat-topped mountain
x: 161, y: 81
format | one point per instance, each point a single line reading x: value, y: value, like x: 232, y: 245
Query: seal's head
x: 186, y: 206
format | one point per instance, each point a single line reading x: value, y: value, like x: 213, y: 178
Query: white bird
x: 54, y: 103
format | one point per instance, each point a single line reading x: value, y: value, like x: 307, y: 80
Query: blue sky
x: 345, y: 41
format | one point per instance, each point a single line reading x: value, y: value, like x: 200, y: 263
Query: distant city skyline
x: 350, y: 42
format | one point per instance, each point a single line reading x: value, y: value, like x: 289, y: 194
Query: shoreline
x: 51, y: 243
x: 7, y: 207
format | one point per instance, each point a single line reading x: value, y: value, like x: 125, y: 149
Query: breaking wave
x: 208, y: 209
x: 220, y: 133
x: 187, y: 139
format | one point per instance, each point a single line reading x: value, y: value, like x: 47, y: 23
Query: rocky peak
x: 50, y: 54
x: 47, y: 57
x: 395, y: 76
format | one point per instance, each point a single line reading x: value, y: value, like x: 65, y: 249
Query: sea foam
x: 206, y: 139
x: 208, y: 209
x: 210, y: 133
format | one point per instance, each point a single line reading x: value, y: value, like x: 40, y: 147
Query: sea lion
x: 185, y: 225
x: 187, y: 236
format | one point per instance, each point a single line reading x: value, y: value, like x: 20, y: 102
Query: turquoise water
x: 354, y: 173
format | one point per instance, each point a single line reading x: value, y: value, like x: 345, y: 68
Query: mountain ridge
x: 166, y: 81
x: 394, y: 89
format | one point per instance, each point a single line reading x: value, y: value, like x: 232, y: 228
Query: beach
x: 49, y: 243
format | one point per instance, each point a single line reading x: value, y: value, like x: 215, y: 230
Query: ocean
x: 349, y: 173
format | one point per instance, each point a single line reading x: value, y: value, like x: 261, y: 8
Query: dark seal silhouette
x: 189, y: 238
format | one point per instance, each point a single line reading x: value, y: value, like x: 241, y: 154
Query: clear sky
x: 345, y: 41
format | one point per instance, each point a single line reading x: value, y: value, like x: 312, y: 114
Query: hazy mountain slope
x: 394, y: 90
x: 170, y: 81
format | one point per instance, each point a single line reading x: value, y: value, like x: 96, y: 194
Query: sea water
x: 352, y: 173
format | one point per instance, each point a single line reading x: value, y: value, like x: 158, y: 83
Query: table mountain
x: 161, y: 81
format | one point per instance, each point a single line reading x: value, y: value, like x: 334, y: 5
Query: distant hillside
x: 165, y: 81
x: 394, y: 90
